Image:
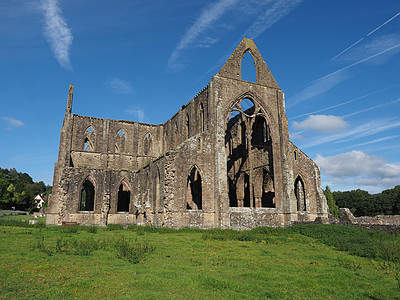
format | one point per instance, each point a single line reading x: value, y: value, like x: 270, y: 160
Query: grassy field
x: 300, y: 262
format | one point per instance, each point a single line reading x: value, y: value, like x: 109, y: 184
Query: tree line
x: 18, y: 190
x: 362, y: 203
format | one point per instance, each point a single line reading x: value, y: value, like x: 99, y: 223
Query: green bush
x: 356, y: 241
x: 132, y: 251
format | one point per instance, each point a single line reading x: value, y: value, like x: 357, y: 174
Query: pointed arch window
x: 194, y: 190
x: 87, y: 145
x: 120, y: 142
x: 124, y: 198
x: 248, y: 67
x: 87, y: 196
x: 88, y: 140
x: 299, y: 192
x: 147, y: 144
x: 261, y: 136
x: 268, y: 190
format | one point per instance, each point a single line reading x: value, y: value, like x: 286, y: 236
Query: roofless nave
x: 223, y: 160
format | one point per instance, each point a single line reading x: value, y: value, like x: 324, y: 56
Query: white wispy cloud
x: 359, y: 168
x: 57, y: 33
x: 373, y: 46
x: 211, y: 14
x: 370, y: 33
x: 330, y: 80
x: 318, y: 87
x: 138, y: 112
x: 322, y: 123
x: 371, y: 108
x: 363, y: 130
x: 279, y: 9
x: 296, y: 136
x: 13, y: 122
x: 343, y: 103
x: 382, y: 139
x: 207, y: 42
x: 120, y: 86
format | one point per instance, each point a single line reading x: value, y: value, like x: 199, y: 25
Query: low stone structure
x: 390, y: 223
x: 223, y: 160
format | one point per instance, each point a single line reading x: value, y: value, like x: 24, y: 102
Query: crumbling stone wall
x: 215, y: 163
x: 389, y: 223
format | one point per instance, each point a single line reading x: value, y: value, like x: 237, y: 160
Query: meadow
x: 298, y: 262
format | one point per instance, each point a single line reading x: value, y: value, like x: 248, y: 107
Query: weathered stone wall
x: 388, y: 223
x: 346, y: 217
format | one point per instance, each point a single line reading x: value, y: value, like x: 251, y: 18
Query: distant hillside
x: 362, y: 203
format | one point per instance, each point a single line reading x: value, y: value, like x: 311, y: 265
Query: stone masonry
x: 223, y: 160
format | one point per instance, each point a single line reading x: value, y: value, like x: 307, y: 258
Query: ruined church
x: 223, y: 160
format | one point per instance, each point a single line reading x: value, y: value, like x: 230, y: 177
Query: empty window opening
x: 124, y: 198
x: 87, y: 196
x: 260, y: 135
x: 233, y: 202
x: 248, y: 68
x: 295, y: 155
x: 194, y: 192
x: 300, y: 194
x: 235, y: 112
x: 246, y: 198
x: 268, y: 193
x: 120, y: 142
x: 89, y: 137
x: 147, y: 144
x: 247, y: 106
x: 87, y: 145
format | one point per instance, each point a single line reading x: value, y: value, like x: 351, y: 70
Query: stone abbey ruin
x: 223, y: 160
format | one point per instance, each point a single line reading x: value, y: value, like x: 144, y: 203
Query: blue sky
x: 337, y: 61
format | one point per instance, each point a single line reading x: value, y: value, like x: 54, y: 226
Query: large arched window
x: 299, y: 191
x: 124, y: 197
x: 147, y: 144
x: 250, y: 183
x: 87, y: 196
x: 194, y: 190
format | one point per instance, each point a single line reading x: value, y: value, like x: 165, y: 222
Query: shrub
x: 132, y: 251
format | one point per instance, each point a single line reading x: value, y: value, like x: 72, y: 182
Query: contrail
x: 348, y: 48
x: 377, y: 28
x: 344, y: 103
x: 383, y: 24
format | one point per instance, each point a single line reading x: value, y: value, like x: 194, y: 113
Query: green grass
x: 300, y: 262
